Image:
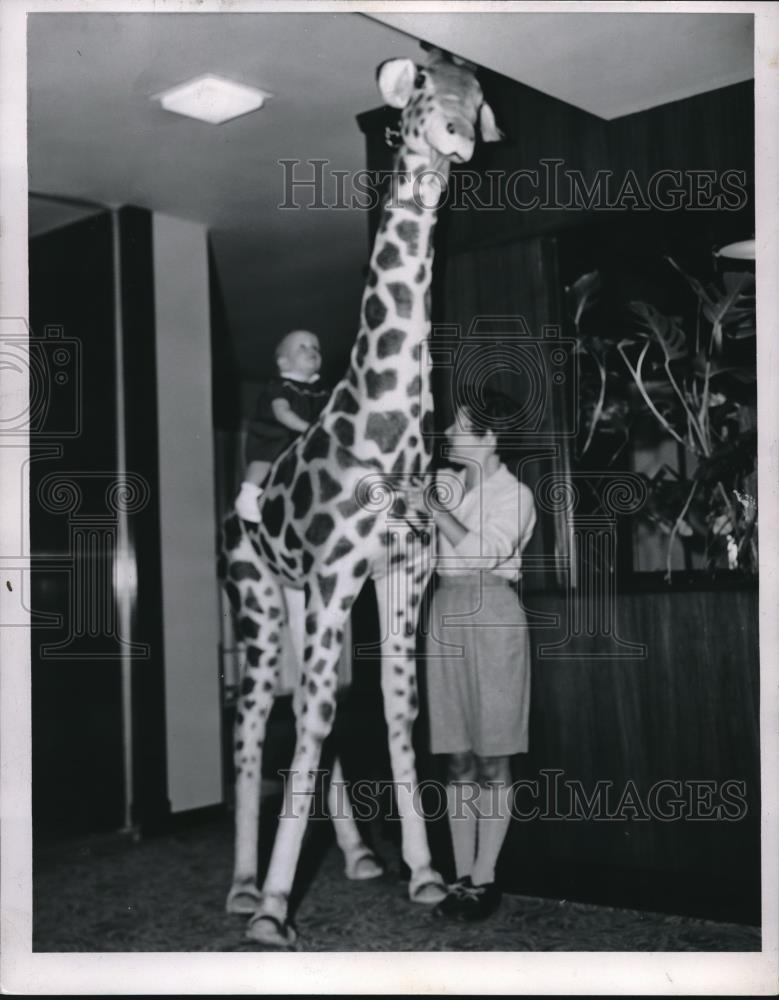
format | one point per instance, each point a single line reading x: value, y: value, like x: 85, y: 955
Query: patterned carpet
x: 166, y: 893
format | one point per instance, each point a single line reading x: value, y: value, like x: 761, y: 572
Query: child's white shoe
x: 247, y: 501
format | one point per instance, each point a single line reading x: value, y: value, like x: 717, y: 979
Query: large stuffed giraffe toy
x: 319, y: 527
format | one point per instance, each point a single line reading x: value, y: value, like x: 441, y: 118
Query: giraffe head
x: 441, y: 104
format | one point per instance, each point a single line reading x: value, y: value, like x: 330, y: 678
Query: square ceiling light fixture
x: 212, y: 99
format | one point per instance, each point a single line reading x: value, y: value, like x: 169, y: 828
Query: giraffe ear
x: 396, y: 81
x: 489, y: 130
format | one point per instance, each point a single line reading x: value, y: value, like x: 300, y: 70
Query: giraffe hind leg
x: 360, y: 862
x: 259, y: 612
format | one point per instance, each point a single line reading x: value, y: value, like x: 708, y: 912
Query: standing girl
x: 478, y: 651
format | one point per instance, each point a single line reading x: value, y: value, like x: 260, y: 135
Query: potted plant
x: 694, y: 381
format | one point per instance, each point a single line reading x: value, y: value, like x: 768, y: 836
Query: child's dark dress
x: 266, y: 437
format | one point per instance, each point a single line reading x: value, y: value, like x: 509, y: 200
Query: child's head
x: 299, y: 353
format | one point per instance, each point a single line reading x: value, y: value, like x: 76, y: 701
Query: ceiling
x: 610, y: 64
x: 95, y: 133
x: 45, y: 213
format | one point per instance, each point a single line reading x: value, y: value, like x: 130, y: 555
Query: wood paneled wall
x: 482, y: 286
x: 688, y: 711
x: 713, y: 131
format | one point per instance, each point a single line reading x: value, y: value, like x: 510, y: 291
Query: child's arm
x: 284, y: 413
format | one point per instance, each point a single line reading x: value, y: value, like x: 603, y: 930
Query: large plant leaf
x: 665, y: 330
x: 703, y: 293
x: 732, y: 460
x: 613, y: 415
x: 667, y: 496
x: 730, y: 309
x: 583, y: 294
x: 737, y: 305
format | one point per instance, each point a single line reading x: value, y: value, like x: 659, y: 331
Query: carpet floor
x: 166, y: 893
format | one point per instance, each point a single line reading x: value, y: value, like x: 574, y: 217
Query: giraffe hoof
x: 427, y: 888
x: 363, y: 866
x: 266, y: 929
x: 243, y: 900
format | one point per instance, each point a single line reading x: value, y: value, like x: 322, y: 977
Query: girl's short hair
x: 489, y: 410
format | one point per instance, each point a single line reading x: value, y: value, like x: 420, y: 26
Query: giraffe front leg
x: 261, y: 630
x: 324, y: 638
x: 398, y: 612
x: 359, y: 860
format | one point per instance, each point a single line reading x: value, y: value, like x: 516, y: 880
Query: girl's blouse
x: 499, y: 514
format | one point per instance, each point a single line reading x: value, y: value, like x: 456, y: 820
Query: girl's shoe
x: 451, y: 905
x: 480, y: 901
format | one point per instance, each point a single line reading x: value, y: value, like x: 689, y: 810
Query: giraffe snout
x: 453, y: 138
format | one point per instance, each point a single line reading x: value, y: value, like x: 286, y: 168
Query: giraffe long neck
x: 402, y: 253
x: 389, y: 367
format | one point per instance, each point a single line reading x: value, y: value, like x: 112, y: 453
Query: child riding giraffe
x: 319, y: 529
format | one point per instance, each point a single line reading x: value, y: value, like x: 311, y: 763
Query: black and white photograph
x: 388, y: 559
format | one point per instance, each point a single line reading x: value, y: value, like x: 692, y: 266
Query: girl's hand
x: 416, y: 492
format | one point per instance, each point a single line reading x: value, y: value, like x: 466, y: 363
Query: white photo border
x: 25, y: 972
